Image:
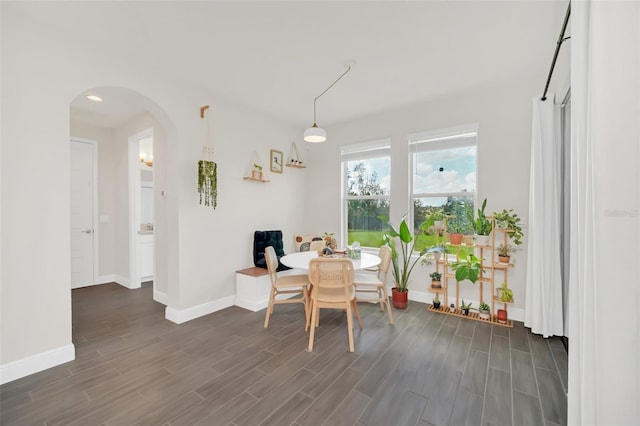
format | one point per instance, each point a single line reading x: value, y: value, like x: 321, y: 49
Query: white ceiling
x: 277, y: 56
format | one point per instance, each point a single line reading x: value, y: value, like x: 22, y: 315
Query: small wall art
x: 276, y: 161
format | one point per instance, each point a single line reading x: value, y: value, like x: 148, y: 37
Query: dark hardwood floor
x: 134, y: 367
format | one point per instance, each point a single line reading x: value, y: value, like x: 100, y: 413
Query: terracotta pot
x: 436, y: 284
x: 502, y: 316
x: 455, y: 238
x: 504, y: 259
x: 399, y: 299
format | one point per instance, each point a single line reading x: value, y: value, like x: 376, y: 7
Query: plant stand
x: 488, y: 277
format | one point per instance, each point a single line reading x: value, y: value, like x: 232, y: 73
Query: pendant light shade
x: 315, y: 134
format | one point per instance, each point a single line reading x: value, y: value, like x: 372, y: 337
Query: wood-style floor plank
x: 134, y: 367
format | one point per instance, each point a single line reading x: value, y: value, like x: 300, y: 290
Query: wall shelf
x: 255, y: 179
x: 295, y: 160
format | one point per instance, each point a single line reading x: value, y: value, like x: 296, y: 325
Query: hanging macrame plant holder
x: 207, y: 169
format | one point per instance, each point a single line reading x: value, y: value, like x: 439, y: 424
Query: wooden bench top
x: 253, y: 272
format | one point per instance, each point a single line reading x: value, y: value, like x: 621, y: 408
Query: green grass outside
x: 374, y: 239
x: 366, y: 238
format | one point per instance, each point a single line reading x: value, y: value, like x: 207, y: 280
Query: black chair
x: 264, y: 239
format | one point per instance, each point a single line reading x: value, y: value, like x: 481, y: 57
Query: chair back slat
x: 272, y: 263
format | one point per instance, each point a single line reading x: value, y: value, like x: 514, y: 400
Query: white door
x: 82, y: 193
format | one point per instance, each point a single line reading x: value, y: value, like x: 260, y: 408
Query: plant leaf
x: 405, y: 233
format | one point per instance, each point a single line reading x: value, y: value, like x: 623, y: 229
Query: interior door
x: 82, y: 232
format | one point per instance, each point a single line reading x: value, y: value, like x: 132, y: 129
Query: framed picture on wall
x: 276, y: 161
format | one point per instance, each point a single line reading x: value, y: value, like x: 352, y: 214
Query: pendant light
x: 315, y: 134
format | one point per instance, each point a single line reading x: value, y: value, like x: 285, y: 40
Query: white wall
x: 203, y: 246
x: 503, y: 112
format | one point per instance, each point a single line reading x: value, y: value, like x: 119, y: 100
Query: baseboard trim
x: 105, y: 279
x: 123, y: 281
x: 184, y: 315
x: 160, y: 297
x: 35, y: 363
x: 251, y: 305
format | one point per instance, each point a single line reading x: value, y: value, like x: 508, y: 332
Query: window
x: 443, y: 179
x: 365, y: 191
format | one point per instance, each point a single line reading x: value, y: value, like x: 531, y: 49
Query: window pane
x: 428, y: 210
x: 367, y: 221
x: 369, y: 177
x: 445, y: 171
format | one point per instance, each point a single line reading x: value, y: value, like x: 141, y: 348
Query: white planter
x: 483, y: 240
x: 484, y: 314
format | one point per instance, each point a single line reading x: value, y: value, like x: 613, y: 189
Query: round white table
x: 300, y: 260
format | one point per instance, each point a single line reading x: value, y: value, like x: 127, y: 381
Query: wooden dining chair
x: 375, y: 284
x: 332, y: 287
x: 284, y: 283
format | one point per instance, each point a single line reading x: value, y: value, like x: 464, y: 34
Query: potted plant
x: 452, y: 308
x: 508, y: 220
x: 433, y: 253
x: 484, y: 311
x: 436, y: 302
x: 328, y: 239
x: 256, y: 172
x: 505, y: 294
x: 465, y: 307
x: 434, y: 219
x: 455, y: 228
x: 481, y: 225
x: 402, y: 268
x: 469, y: 268
x: 504, y: 252
x: 435, y: 279
x: 457, y: 222
x: 502, y: 316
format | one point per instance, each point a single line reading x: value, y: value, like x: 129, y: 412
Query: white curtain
x: 543, y: 301
x: 604, y: 295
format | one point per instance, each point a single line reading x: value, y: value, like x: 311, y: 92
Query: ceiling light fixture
x: 94, y: 98
x: 315, y: 134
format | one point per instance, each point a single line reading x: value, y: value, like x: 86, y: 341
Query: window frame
x: 466, y: 135
x: 380, y: 148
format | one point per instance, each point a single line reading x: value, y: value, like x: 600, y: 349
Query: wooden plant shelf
x: 472, y: 316
x: 256, y: 180
x: 297, y: 166
x: 295, y: 160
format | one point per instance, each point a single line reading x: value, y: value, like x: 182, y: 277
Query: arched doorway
x: 111, y: 122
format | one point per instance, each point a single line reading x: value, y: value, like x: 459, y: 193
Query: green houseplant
x: 401, y: 267
x: 436, y: 302
x: 505, y: 293
x: 465, y: 307
x: 484, y: 311
x: 509, y: 220
x: 481, y: 225
x: 434, y: 219
x: 208, y: 183
x: 435, y: 279
x: 469, y: 268
x: 504, y: 252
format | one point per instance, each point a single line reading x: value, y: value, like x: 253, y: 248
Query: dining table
x: 300, y: 260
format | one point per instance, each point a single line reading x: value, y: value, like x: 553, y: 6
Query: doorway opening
x: 141, y: 209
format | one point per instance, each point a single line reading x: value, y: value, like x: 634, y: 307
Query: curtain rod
x: 561, y: 39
